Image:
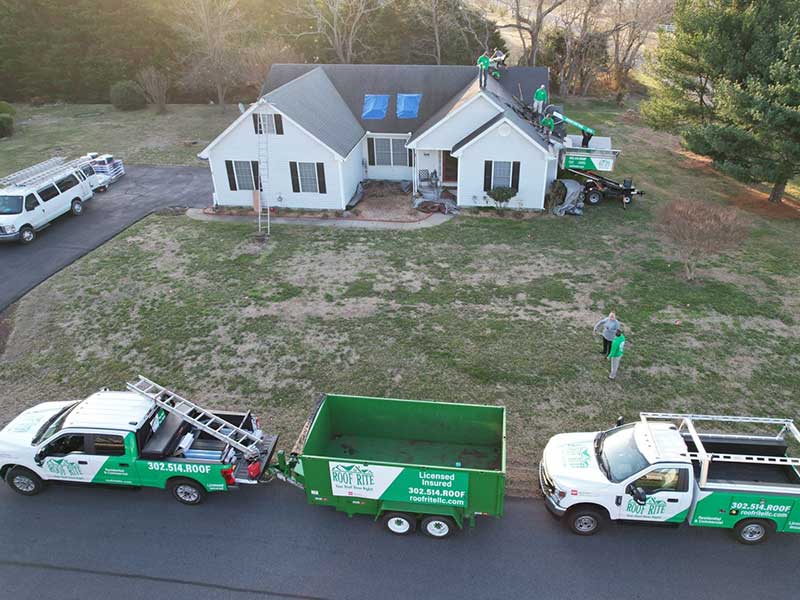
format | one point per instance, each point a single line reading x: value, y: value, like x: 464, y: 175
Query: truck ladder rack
x: 246, y: 442
x: 43, y: 171
x: 705, y: 458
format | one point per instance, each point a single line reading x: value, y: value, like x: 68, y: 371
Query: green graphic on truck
x: 399, y: 484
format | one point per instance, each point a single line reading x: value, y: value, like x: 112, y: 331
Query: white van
x: 31, y: 199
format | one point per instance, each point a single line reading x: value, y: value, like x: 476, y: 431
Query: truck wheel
x: 438, y: 527
x: 751, y: 531
x: 584, y: 521
x: 187, y: 491
x: 594, y: 197
x: 399, y: 523
x: 77, y: 207
x: 24, y: 481
x: 27, y: 234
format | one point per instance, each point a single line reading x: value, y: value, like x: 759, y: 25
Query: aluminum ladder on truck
x: 246, y: 442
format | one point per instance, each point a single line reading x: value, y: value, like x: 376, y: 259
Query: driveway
x: 267, y: 542
x: 142, y: 191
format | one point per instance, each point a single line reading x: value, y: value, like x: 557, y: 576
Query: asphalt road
x: 141, y: 191
x: 266, y: 542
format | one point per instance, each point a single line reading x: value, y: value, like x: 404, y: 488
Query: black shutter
x: 371, y: 151
x: 295, y: 177
x: 487, y: 176
x: 256, y: 179
x: 256, y: 124
x: 515, y: 175
x: 278, y: 125
x: 321, y: 178
x: 231, y: 176
x: 410, y: 158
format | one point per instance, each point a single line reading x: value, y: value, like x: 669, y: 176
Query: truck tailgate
x: 267, y: 446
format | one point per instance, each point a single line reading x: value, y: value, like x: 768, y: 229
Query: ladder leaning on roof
x: 263, y: 165
x: 248, y: 443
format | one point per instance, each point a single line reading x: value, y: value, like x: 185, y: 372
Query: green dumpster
x: 432, y: 466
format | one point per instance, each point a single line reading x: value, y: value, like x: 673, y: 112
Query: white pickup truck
x: 660, y: 469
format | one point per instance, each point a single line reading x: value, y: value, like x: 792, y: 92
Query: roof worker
x: 497, y: 60
x: 483, y: 63
x: 549, y: 124
x: 540, y: 99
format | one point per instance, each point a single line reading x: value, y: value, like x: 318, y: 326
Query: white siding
x: 513, y: 147
x: 430, y: 160
x: 352, y: 173
x: 458, y: 126
x: 386, y: 172
x: 294, y: 145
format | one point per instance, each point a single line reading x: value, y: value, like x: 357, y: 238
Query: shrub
x: 700, y: 229
x: 155, y: 85
x: 127, y: 95
x: 501, y: 196
x: 7, y: 109
x: 6, y: 125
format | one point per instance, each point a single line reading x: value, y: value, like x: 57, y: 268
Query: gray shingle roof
x: 466, y: 140
x: 318, y: 96
x: 312, y: 101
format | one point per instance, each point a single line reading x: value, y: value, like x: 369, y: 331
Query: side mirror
x: 638, y: 494
x: 39, y: 457
x: 620, y: 421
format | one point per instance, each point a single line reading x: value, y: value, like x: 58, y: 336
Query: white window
x: 274, y: 123
x: 244, y: 174
x: 501, y: 174
x: 308, y: 177
x: 390, y: 152
x: 399, y: 153
x: 383, y: 152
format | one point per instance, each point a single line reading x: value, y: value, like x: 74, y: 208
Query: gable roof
x: 443, y: 88
x: 313, y: 102
x: 488, y: 125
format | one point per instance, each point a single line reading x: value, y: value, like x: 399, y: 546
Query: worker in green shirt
x: 548, y: 123
x: 483, y: 67
x: 615, y: 355
x: 540, y: 99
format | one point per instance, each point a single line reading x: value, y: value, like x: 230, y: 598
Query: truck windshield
x: 10, y: 205
x: 53, y: 424
x: 618, y: 454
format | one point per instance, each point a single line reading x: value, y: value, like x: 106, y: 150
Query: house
x: 330, y: 127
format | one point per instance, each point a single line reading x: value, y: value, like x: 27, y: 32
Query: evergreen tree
x: 729, y: 82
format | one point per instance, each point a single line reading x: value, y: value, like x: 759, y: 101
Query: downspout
x: 341, y: 184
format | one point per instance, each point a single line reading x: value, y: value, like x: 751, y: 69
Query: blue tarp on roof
x: 408, y: 105
x: 375, y: 106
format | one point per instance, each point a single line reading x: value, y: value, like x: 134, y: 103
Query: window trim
x: 319, y: 177
x: 372, y: 151
x: 274, y: 120
x: 510, y: 172
x: 233, y: 179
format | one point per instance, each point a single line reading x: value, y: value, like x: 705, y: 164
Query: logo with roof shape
x: 61, y: 467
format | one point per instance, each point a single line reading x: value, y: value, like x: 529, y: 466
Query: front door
x: 35, y: 213
x: 668, y: 495
x: 118, y: 449
x: 449, y: 168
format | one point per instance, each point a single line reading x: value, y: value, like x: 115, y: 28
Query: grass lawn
x: 482, y: 310
x: 138, y: 136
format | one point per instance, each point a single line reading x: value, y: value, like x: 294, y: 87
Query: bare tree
x: 528, y: 19
x: 214, y: 31
x: 634, y: 21
x: 700, y: 229
x: 338, y: 22
x: 155, y: 85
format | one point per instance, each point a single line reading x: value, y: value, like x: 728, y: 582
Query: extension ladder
x: 244, y: 441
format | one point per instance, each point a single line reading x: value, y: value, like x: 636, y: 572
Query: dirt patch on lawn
x: 6, y: 325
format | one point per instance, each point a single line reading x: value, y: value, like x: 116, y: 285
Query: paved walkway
x: 430, y: 221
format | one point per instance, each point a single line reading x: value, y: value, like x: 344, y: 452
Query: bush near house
x: 127, y: 95
x: 7, y: 109
x: 6, y: 125
x: 501, y: 196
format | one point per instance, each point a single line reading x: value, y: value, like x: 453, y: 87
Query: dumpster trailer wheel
x: 438, y: 527
x: 594, y: 196
x: 399, y: 523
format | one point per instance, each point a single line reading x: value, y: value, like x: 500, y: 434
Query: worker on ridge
x: 540, y: 99
x: 483, y: 67
x: 497, y: 60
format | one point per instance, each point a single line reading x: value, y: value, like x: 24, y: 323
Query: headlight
x: 9, y: 229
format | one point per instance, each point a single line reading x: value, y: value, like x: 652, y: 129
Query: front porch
x: 435, y: 174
